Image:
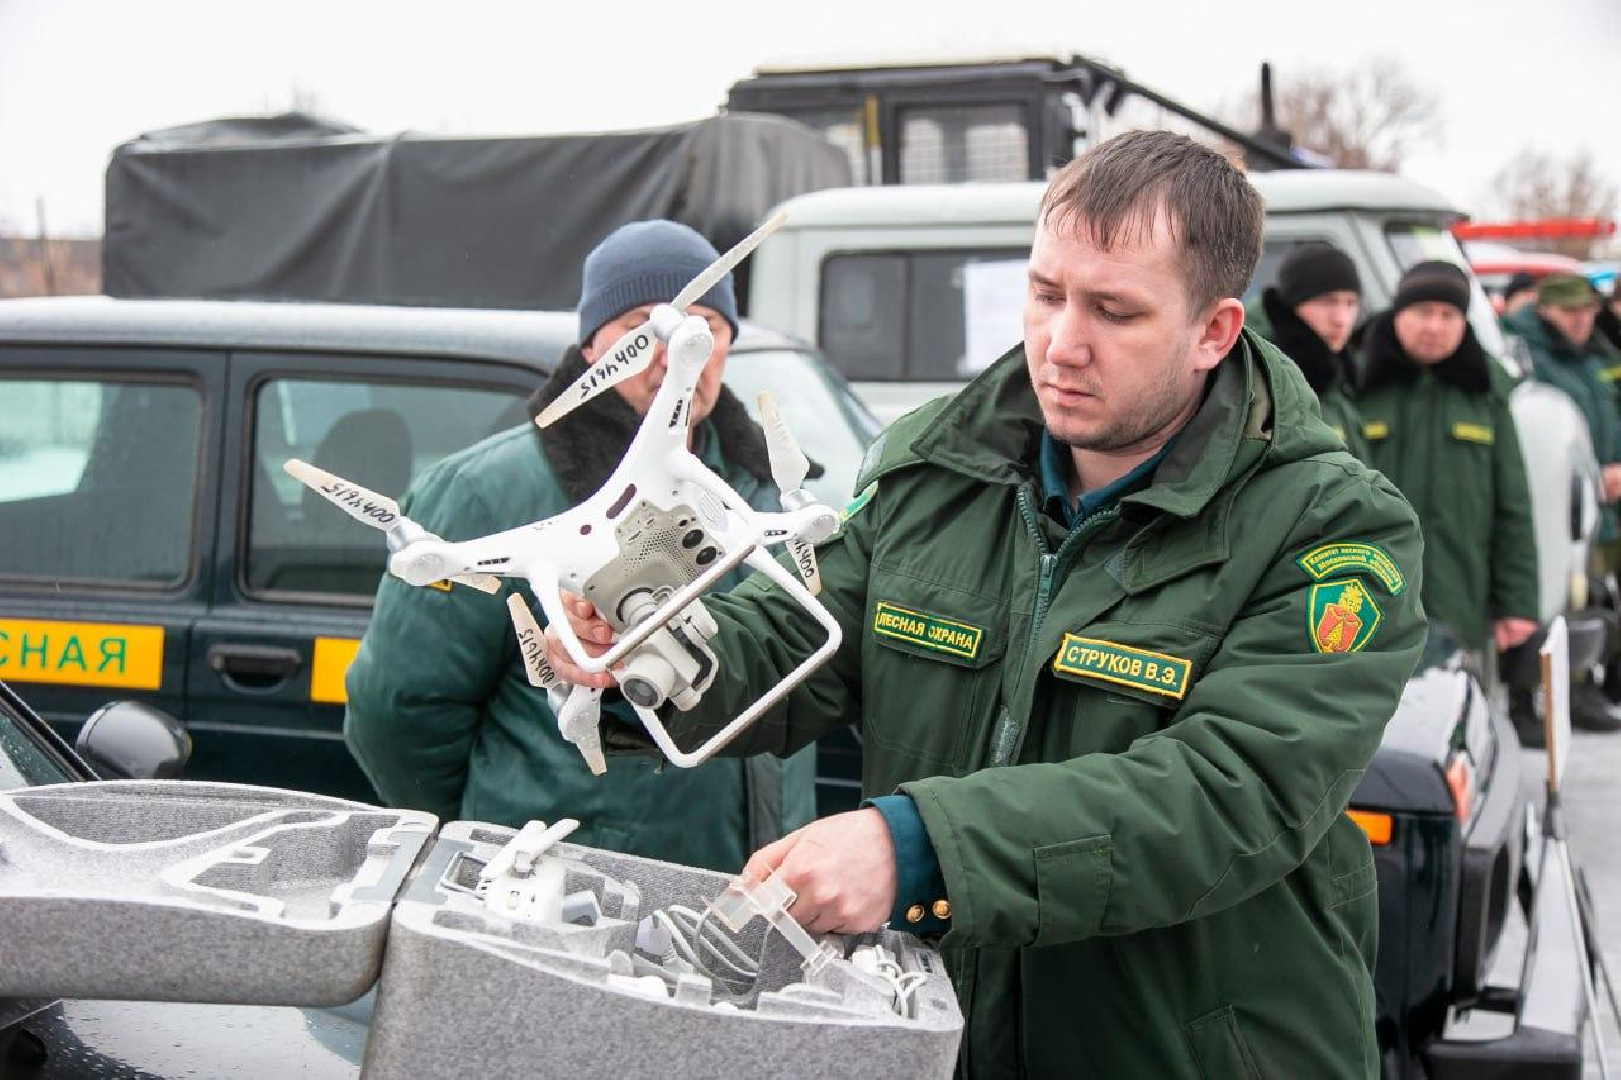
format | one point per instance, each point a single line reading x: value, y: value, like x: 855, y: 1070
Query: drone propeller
x: 370, y: 508
x: 633, y: 352
x: 531, y: 644
x: 789, y: 467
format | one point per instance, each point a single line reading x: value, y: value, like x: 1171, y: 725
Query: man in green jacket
x: 1567, y: 352
x: 1558, y: 331
x: 1309, y: 314
x: 1123, y: 623
x: 1436, y: 416
x: 441, y: 715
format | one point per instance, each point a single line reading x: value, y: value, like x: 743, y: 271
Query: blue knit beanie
x: 647, y: 262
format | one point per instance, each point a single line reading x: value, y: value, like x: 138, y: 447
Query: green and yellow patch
x: 1110, y: 661
x: 1475, y: 433
x: 1341, y: 616
x: 927, y: 631
x: 1326, y: 559
x: 1375, y: 429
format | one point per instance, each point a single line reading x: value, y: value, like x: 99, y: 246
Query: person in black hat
x: 441, y: 715
x: 1436, y: 416
x: 1520, y: 291
x: 1310, y: 314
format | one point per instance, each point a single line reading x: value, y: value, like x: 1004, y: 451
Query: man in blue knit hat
x: 440, y: 713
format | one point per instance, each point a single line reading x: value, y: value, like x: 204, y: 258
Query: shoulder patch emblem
x: 1375, y: 429
x: 1342, y: 617
x: 1094, y: 658
x: 1336, y: 558
x: 1475, y: 433
x: 926, y: 631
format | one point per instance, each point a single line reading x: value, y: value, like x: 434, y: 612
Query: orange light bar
x: 1543, y: 229
x: 1377, y: 826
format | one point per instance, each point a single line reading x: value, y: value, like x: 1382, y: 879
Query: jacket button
x: 942, y: 909
x: 915, y: 913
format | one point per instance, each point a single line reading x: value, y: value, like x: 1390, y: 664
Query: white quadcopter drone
x: 643, y: 549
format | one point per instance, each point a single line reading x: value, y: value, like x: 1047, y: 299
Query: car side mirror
x: 127, y: 740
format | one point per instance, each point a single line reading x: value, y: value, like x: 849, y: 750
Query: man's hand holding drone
x: 637, y: 555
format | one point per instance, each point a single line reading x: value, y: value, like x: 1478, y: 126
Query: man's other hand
x: 842, y: 871
x: 1612, y: 482
x: 1512, y: 632
x: 594, y: 633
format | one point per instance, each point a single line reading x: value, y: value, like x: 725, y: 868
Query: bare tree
x: 1366, y: 117
x: 1536, y: 185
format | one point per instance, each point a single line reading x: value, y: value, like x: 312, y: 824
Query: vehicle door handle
x: 259, y: 663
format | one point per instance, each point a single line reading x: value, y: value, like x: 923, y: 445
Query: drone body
x: 643, y: 549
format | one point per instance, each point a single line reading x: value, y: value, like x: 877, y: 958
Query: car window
x: 831, y: 426
x: 23, y: 761
x: 98, y: 479
x: 381, y: 436
x: 958, y: 142
x: 929, y: 314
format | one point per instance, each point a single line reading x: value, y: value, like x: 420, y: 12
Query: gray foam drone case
x: 215, y: 893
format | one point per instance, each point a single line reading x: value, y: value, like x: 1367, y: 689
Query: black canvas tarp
x: 299, y: 209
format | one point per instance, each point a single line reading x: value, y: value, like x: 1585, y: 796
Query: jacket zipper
x: 1009, y: 732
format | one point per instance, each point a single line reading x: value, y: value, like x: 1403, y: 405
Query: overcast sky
x: 77, y: 77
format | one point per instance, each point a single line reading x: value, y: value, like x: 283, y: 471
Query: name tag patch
x: 1093, y: 658
x: 1475, y: 433
x: 1328, y: 559
x: 927, y: 631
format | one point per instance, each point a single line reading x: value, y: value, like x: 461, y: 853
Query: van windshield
x: 1413, y: 242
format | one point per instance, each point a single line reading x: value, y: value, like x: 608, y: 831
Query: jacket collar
x: 1323, y: 367
x: 1468, y: 368
x: 586, y: 446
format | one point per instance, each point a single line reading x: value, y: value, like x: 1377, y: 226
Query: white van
x: 910, y: 290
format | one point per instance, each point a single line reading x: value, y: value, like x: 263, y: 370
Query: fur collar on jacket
x: 1388, y: 363
x: 1322, y: 366
x: 585, y: 446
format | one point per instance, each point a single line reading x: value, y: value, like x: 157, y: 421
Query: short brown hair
x: 1117, y: 189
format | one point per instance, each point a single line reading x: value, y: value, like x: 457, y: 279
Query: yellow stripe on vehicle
x: 81, y: 654
x: 332, y: 659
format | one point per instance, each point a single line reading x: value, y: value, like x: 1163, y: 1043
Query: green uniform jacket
x: 1328, y: 373
x: 1131, y: 745
x: 1587, y: 376
x: 1446, y: 437
x: 442, y: 717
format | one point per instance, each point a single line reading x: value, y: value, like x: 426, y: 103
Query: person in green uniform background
x: 441, y: 715
x: 1436, y: 416
x: 1568, y: 352
x: 1310, y: 314
x: 1123, y: 622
